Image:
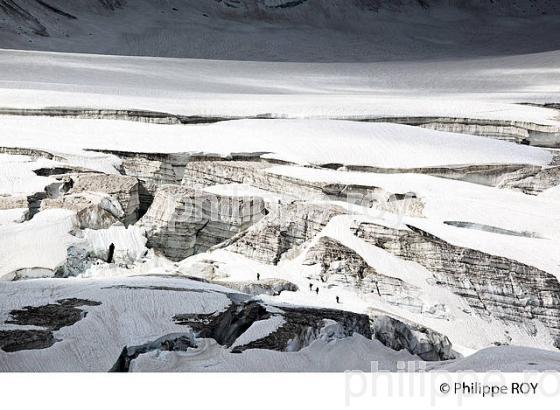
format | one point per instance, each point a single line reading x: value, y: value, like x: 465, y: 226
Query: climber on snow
x: 111, y: 253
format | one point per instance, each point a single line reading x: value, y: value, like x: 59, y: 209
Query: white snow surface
x: 299, y: 141
x: 483, y: 87
x: 17, y: 177
x: 10, y: 216
x: 38, y: 246
x: 503, y: 359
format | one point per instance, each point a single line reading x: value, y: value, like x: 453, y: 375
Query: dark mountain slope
x: 283, y: 30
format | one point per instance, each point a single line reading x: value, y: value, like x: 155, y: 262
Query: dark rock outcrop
x: 301, y: 325
x: 51, y: 317
x: 54, y: 316
x: 304, y: 325
x: 15, y: 340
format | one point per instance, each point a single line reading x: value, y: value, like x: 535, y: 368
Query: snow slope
x: 18, y: 178
x: 299, y: 141
x: 485, y: 88
x: 436, y: 307
x: 503, y: 359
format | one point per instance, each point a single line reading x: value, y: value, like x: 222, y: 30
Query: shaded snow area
x: 324, y: 199
x: 282, y: 30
